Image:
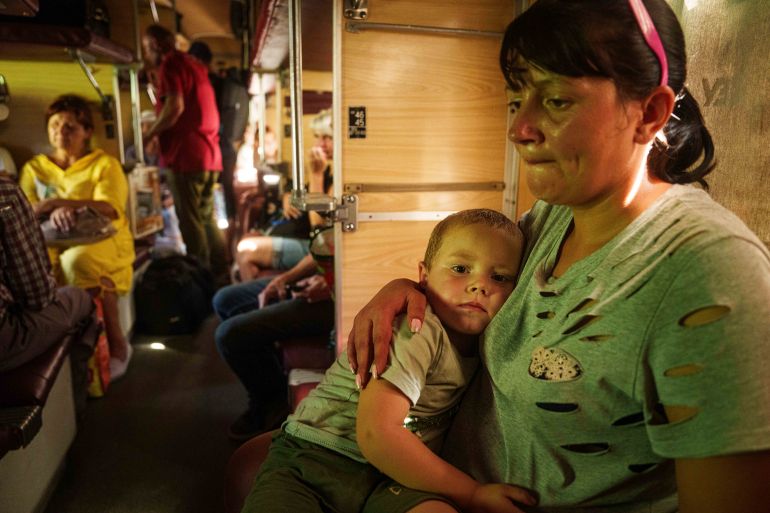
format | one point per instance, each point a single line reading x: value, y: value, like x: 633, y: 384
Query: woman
x: 282, y: 250
x: 74, y: 176
x: 629, y: 364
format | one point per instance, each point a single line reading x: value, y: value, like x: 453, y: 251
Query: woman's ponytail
x: 687, y: 156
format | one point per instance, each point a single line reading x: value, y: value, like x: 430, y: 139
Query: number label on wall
x: 357, y: 122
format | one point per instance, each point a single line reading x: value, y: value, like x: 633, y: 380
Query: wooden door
x: 435, y: 119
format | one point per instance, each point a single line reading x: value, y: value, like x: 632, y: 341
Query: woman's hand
x: 498, y: 498
x: 313, y: 289
x: 63, y: 218
x: 317, y: 160
x: 276, y: 289
x: 372, y: 326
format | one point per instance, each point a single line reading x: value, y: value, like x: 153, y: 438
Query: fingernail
x: 358, y: 382
x: 374, y: 372
x: 415, y: 325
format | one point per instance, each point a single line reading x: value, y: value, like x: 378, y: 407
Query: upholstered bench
x: 37, y: 427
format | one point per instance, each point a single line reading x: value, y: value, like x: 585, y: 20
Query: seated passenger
x: 34, y: 314
x: 254, y: 316
x: 74, y: 176
x: 349, y: 452
x: 289, y: 237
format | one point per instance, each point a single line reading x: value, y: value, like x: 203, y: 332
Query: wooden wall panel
x: 33, y: 86
x: 428, y: 202
x: 436, y: 113
x: 434, y: 105
x: 381, y: 252
x: 384, y: 250
x: 488, y: 15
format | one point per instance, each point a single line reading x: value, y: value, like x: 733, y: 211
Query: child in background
x: 375, y: 450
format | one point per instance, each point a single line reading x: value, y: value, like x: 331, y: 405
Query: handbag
x: 90, y: 226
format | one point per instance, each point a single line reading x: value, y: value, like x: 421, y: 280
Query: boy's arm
x: 400, y: 454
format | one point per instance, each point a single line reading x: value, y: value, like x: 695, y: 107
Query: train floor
x: 156, y: 442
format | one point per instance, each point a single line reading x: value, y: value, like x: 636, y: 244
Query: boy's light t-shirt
x: 424, y: 366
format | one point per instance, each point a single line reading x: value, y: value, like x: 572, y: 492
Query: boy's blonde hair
x: 483, y: 216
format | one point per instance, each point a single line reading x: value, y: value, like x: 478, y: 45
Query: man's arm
x: 277, y: 286
x: 401, y: 455
x: 173, y: 106
x: 27, y: 269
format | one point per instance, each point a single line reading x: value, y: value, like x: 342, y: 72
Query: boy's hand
x: 372, y: 326
x: 498, y: 498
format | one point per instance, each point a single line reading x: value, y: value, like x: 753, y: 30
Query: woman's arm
x: 372, y: 327
x: 397, y: 452
x: 737, y: 483
x: 49, y: 205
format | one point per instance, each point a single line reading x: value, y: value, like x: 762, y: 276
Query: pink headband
x: 651, y: 36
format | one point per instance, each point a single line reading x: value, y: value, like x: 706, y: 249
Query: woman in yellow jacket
x: 74, y: 176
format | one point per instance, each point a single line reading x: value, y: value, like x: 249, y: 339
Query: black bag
x: 173, y: 296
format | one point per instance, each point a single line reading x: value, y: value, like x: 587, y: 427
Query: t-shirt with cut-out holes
x: 674, y: 310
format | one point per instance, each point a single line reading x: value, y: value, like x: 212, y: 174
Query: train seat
x: 305, y: 360
x: 37, y: 427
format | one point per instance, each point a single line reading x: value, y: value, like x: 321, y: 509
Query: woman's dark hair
x: 601, y: 38
x: 74, y: 104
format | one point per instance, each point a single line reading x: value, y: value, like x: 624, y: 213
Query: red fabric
x: 192, y: 144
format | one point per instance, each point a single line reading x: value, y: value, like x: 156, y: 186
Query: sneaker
x: 118, y: 368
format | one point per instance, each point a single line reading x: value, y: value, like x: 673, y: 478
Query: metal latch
x: 344, y: 211
x: 356, y: 9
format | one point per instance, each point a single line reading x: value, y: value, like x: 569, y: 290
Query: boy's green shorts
x: 300, y: 476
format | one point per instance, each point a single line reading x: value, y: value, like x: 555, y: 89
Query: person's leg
x: 317, y: 479
x: 117, y: 342
x: 252, y: 254
x: 229, y: 157
x: 433, y: 507
x: 246, y: 343
x: 27, y: 334
x: 186, y: 188
x: 288, y: 252
x: 239, y: 298
x: 31, y: 333
x: 104, y: 271
x: 390, y: 496
x: 214, y: 239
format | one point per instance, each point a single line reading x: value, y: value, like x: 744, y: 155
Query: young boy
x: 374, y: 451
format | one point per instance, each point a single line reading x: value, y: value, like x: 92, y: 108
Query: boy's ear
x: 423, y: 272
x: 656, y: 109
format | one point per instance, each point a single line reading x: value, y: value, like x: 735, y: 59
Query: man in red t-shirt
x: 188, y: 126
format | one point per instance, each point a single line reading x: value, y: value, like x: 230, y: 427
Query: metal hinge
x: 344, y: 211
x: 356, y: 9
